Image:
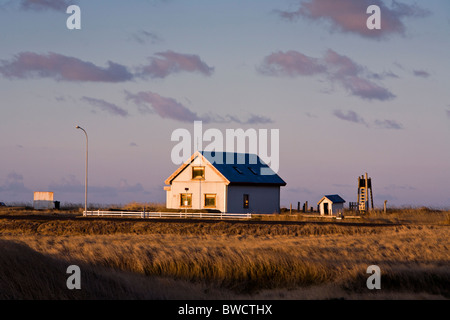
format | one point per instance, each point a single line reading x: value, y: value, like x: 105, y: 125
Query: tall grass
x: 156, y: 259
x: 31, y: 275
x: 422, y: 215
x: 192, y: 228
x: 232, y: 259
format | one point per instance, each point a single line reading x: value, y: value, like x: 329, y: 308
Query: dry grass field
x: 292, y: 258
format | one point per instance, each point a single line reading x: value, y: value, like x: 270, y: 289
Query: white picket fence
x: 145, y: 215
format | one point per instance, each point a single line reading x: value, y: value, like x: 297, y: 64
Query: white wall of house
x: 44, y: 196
x: 43, y: 200
x: 212, y: 184
x: 262, y: 199
x: 198, y: 189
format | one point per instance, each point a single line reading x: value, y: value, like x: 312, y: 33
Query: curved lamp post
x: 86, y: 180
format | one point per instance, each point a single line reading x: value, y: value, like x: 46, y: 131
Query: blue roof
x: 335, y: 198
x: 243, y: 168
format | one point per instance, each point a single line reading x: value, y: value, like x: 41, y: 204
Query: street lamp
x: 86, y: 181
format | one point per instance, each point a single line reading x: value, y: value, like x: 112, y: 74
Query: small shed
x: 43, y: 200
x: 331, y: 205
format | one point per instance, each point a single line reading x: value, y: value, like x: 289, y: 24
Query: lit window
x: 198, y: 172
x: 210, y: 200
x: 186, y: 199
x: 246, y: 201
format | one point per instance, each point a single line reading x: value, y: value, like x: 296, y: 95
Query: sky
x: 346, y: 99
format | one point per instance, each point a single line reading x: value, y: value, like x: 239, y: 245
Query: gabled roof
x: 243, y: 168
x: 335, y: 198
x: 236, y: 168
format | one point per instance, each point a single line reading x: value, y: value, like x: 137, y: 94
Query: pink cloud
x: 350, y: 75
x: 337, y: 68
x: 162, y: 106
x: 388, y: 124
x: 143, y: 37
x: 350, y: 15
x: 366, y: 89
x: 61, y: 68
x: 342, y: 66
x: 291, y: 63
x: 421, y: 73
x: 64, y: 68
x: 350, y: 116
x: 169, y: 62
x: 169, y: 108
x: 108, y: 107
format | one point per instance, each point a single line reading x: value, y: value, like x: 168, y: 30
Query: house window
x: 198, y: 172
x: 246, y: 201
x: 210, y: 200
x: 186, y: 199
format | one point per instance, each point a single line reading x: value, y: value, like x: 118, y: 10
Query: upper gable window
x: 198, y: 172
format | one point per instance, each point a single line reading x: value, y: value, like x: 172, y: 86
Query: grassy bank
x: 136, y: 259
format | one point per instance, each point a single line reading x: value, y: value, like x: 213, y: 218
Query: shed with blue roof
x: 331, y: 205
x: 225, y: 181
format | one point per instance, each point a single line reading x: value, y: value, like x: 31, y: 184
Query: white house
x: 331, y: 205
x: 43, y: 200
x: 224, y: 181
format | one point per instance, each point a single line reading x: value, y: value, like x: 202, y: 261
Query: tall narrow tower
x: 364, y: 193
